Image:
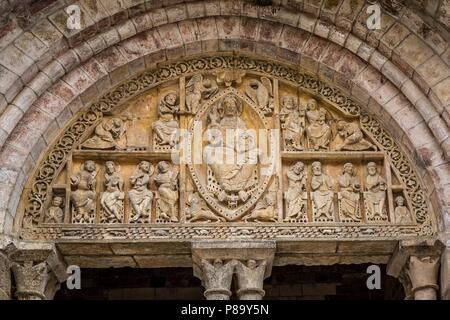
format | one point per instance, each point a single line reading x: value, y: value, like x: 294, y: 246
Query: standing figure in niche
x: 351, y: 138
x: 322, y: 195
x: 140, y: 195
x: 349, y: 194
x: 83, y: 198
x: 166, y: 127
x: 375, y: 196
x: 113, y: 196
x: 295, y: 196
x: 166, y: 202
x: 55, y: 214
x: 293, y: 123
x: 318, y: 131
x: 401, y: 213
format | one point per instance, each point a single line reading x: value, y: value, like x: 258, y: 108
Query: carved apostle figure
x: 83, y: 198
x: 401, y: 212
x: 322, y: 195
x: 140, y: 195
x: 375, y: 196
x: 295, y: 196
x: 108, y: 135
x: 351, y: 138
x: 166, y: 202
x: 165, y: 129
x: 250, y: 279
x: 217, y: 278
x: 293, y: 123
x: 348, y: 196
x: 197, y: 89
x: 113, y: 196
x: 237, y: 176
x: 55, y: 213
x: 318, y: 131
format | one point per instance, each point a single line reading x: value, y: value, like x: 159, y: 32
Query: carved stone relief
x: 262, y: 147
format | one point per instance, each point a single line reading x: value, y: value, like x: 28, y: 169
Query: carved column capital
x: 250, y: 276
x: 38, y: 269
x: 215, y: 262
x: 416, y: 264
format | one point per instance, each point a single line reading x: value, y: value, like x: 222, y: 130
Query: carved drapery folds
x: 257, y: 145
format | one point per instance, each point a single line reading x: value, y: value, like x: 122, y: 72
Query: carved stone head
x: 316, y: 168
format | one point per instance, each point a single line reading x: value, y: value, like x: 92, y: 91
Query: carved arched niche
x: 315, y: 167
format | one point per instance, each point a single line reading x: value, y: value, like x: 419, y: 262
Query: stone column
x: 445, y: 273
x: 38, y: 270
x: 423, y: 274
x: 215, y: 263
x: 250, y: 276
x: 5, y: 277
x: 416, y: 264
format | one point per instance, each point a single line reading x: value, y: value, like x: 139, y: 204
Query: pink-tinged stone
x: 315, y: 47
x: 332, y: 56
x: 370, y: 79
x: 142, y: 22
x: 307, y: 22
x: 10, y: 117
x: 84, y: 51
x: 16, y: 61
x: 442, y: 91
x: 426, y: 109
x: 195, y: 9
x: 270, y: 32
x: 414, y: 51
x: 420, y: 135
x: 338, y: 36
x: 36, y: 119
x: 78, y: 80
x: 385, y: 93
x: 207, y: 28
x: 31, y: 46
x: 7, y: 78
x: 94, y: 69
x: 50, y: 103
x: 212, y: 8
x: 170, y: 36
x: 228, y: 27
x: 126, y: 29
x: 23, y: 138
x: 8, y: 32
x: 352, y: 43
x: 176, y: 13
x: 12, y: 157
x: 188, y: 30
x: 68, y: 60
x: 110, y: 59
x: 365, y: 51
x: 158, y: 17
x: 97, y: 44
x: 377, y: 60
x: 411, y: 91
x: 433, y: 70
x: 293, y: 39
x: 407, y: 117
x: 439, y: 129
x: 249, y: 28
x: 322, y: 29
x: 350, y: 65
x: 62, y: 90
x: 394, y: 74
x: 231, y: 7
x: 24, y: 99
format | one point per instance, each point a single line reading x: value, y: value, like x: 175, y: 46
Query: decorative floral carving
x: 47, y: 171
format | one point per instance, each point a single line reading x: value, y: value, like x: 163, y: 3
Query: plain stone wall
x: 47, y: 72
